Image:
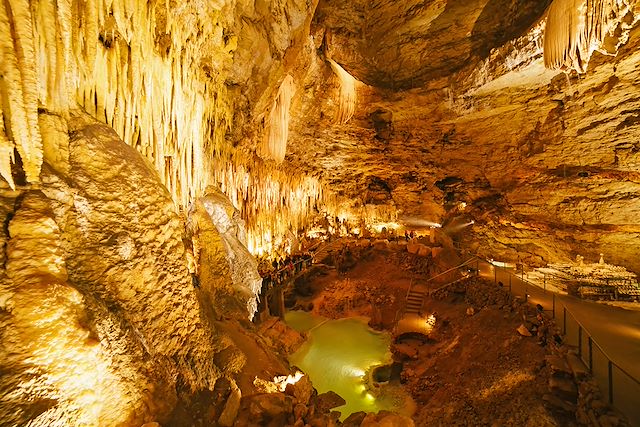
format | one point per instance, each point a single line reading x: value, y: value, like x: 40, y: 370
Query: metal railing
x: 621, y: 388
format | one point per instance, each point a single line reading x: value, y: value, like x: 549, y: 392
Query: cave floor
x: 473, y: 370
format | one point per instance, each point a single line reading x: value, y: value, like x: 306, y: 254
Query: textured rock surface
x: 545, y: 162
x: 100, y: 321
x: 405, y: 44
x: 243, y: 266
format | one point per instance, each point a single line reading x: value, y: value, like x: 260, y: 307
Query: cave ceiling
x: 405, y: 44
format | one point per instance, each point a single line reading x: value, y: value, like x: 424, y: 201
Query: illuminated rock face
x: 169, y: 78
x: 220, y: 243
x: 544, y: 162
x: 100, y: 322
x: 415, y: 115
x: 405, y: 44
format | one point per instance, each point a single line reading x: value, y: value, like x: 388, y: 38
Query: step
x: 415, y: 293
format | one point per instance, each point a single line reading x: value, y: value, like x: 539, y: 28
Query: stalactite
x: 576, y: 28
x: 20, y: 84
x: 6, y: 156
x: 102, y: 56
x: 348, y: 95
x: 275, y: 144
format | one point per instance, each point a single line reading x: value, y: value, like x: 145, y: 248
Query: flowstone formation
x: 228, y: 231
x: 100, y: 322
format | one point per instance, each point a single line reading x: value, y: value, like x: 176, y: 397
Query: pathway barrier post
x: 580, y: 340
x: 610, y: 363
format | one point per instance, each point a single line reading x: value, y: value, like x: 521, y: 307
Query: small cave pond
x: 340, y: 356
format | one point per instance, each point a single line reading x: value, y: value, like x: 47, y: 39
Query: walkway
x: 616, y: 330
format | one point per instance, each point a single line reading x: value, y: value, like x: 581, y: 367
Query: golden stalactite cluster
x: 272, y: 201
x: 137, y: 66
x: 140, y: 68
x: 577, y: 28
x: 19, y: 90
x: 104, y: 56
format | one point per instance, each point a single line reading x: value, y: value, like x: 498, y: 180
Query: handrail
x: 634, y: 379
x: 449, y: 270
x: 605, y: 354
x: 432, y: 291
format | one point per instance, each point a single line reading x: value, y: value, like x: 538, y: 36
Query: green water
x: 337, y: 355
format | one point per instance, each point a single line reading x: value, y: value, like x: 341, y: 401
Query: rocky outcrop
x: 101, y: 322
x: 218, y: 243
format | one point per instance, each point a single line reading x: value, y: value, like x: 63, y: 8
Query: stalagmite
x: 348, y: 95
x: 576, y: 28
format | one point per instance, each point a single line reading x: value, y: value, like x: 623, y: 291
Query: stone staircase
x: 414, y: 301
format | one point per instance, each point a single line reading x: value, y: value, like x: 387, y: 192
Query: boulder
x: 329, y: 400
x: 301, y: 391
x: 424, y: 251
x: 413, y: 247
x: 231, y: 407
x: 522, y: 330
x: 387, y: 419
x: 265, y: 409
x: 354, y: 420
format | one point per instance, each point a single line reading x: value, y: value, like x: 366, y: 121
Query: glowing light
x: 279, y: 383
x: 353, y: 371
x: 501, y: 263
x: 369, y: 397
x: 386, y: 225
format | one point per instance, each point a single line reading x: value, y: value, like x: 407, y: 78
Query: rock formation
x: 513, y: 123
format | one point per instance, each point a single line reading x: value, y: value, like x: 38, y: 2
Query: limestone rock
x: 386, y: 419
x: 326, y: 401
x: 99, y: 251
x: 231, y: 407
x: 355, y: 419
x: 522, y: 330
x: 265, y: 409
x: 302, y: 390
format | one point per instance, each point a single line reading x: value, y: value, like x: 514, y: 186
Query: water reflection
x: 338, y: 356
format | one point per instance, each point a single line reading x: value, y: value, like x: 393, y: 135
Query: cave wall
x: 101, y: 324
x: 543, y: 159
